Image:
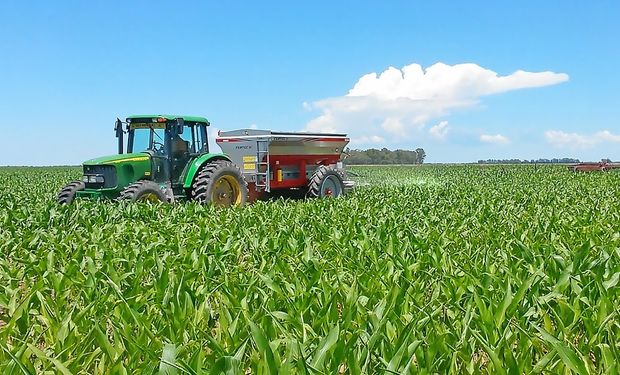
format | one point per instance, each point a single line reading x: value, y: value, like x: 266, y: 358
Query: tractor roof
x: 172, y: 117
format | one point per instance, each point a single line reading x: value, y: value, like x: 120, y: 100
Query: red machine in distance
x: 595, y: 166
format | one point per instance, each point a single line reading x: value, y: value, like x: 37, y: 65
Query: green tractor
x: 167, y: 158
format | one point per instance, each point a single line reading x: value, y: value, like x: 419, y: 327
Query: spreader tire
x: 143, y: 191
x: 325, y: 182
x: 220, y: 183
x: 67, y: 194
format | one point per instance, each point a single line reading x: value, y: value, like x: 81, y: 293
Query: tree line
x: 385, y: 156
x: 417, y: 156
x: 533, y: 161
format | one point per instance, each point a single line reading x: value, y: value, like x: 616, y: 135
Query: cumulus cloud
x: 497, y: 139
x: 561, y: 139
x: 606, y: 136
x: 211, y: 136
x: 439, y: 131
x: 394, y: 126
x: 367, y: 140
x: 397, y: 103
x: 447, y: 81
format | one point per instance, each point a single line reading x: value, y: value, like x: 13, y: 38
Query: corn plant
x: 432, y: 269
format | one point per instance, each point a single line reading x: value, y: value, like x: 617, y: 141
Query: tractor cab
x: 170, y: 141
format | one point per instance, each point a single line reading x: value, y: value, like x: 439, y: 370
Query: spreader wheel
x: 220, y: 183
x: 146, y: 191
x: 67, y: 194
x: 325, y: 182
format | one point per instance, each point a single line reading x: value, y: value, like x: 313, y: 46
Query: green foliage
x: 425, y: 269
x: 384, y: 156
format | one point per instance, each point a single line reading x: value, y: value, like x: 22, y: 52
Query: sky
x: 465, y: 80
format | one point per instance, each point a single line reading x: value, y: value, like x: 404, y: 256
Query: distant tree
x: 384, y: 156
x: 421, y: 155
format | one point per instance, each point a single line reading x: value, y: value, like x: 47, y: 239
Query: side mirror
x: 179, y: 125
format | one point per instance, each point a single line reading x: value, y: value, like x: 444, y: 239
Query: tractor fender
x: 196, y: 164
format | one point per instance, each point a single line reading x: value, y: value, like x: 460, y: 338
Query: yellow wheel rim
x: 149, y: 197
x: 226, y: 192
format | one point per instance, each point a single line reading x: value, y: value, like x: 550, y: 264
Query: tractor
x: 167, y: 159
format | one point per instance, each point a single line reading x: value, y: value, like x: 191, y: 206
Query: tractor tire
x: 325, y: 182
x: 67, y: 194
x: 143, y: 190
x: 220, y: 183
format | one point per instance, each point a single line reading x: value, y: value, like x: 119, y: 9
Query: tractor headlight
x: 85, y: 178
x: 94, y: 179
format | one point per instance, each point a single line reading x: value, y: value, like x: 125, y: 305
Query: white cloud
x: 253, y: 126
x: 497, y: 139
x: 212, y: 135
x: 394, y: 126
x: 561, y: 139
x: 447, y: 81
x: 606, y: 136
x: 397, y: 103
x: 439, y: 131
x: 368, y: 140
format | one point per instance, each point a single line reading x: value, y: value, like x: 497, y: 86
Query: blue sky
x: 69, y: 68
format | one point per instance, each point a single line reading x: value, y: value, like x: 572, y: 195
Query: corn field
x: 432, y: 269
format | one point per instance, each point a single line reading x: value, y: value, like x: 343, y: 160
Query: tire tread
x: 205, y: 176
x: 133, y: 190
x: 67, y: 193
x: 314, y: 186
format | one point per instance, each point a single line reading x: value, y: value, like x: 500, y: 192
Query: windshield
x: 148, y: 137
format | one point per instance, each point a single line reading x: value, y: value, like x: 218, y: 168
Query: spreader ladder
x: 262, y: 178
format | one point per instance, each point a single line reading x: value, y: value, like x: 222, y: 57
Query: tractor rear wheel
x: 67, y: 194
x: 325, y: 182
x: 220, y: 183
x: 144, y: 191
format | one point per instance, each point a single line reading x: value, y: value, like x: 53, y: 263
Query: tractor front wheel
x: 325, y: 182
x: 67, y: 194
x: 145, y: 190
x: 220, y: 183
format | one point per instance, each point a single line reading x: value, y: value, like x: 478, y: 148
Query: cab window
x: 195, y: 134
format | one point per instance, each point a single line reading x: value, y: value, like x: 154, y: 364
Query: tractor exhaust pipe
x: 118, y: 128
